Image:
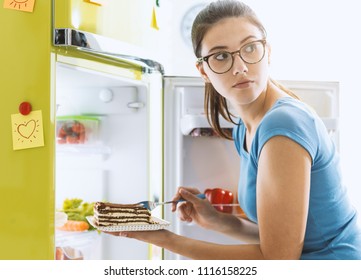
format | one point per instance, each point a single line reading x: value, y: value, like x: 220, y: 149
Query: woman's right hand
x: 195, y: 209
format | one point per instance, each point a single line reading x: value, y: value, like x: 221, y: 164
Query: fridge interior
x: 192, y: 157
x: 111, y: 163
x: 196, y: 158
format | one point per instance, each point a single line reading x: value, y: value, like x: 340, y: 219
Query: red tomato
x: 82, y: 138
x: 220, y: 196
x: 61, y: 133
x: 78, y: 127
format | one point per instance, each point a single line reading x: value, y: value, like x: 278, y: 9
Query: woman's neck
x: 253, y: 113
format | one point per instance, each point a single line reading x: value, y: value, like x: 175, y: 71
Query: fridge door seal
x: 102, y: 46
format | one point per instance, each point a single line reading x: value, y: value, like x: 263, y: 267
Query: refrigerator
x: 145, y: 133
x: 60, y: 68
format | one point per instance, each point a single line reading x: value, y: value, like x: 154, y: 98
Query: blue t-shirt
x: 332, y: 231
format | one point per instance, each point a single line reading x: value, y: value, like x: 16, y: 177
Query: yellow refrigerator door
x: 117, y: 19
x: 26, y: 173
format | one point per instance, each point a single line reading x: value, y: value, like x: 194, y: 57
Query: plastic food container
x: 77, y: 245
x: 77, y: 130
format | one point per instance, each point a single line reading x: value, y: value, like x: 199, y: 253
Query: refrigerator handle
x: 102, y: 46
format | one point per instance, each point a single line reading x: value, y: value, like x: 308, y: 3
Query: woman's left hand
x: 198, y: 210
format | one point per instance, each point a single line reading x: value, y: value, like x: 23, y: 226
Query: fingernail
x: 123, y: 234
x: 182, y: 191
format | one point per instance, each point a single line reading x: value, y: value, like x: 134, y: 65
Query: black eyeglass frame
x: 205, y: 58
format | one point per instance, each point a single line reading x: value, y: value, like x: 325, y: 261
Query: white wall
x: 311, y: 40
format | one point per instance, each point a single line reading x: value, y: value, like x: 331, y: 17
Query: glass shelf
x: 83, y: 149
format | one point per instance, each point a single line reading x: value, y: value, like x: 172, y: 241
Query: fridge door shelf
x: 191, y: 122
x: 105, y: 47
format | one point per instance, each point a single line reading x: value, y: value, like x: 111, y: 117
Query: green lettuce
x: 77, y: 210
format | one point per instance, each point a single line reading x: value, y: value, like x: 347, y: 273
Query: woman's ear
x: 203, y: 74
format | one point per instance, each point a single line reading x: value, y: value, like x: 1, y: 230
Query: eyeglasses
x: 221, y: 62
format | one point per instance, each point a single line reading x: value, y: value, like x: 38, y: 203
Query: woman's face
x: 243, y: 83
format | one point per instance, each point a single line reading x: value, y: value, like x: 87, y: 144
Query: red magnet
x: 25, y: 108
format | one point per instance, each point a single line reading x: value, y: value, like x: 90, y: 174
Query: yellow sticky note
x: 94, y: 2
x: 27, y: 130
x: 154, y: 23
x: 20, y: 5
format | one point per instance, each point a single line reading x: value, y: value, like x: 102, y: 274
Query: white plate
x: 160, y: 224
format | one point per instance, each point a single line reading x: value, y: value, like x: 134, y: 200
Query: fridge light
x: 106, y: 95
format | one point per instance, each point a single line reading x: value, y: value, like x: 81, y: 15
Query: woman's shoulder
x: 291, y: 118
x: 291, y: 114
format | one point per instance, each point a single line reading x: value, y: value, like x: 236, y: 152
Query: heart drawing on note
x: 26, y: 130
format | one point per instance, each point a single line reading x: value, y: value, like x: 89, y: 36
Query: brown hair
x: 214, y: 103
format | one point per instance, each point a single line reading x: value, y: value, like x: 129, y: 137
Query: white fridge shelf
x: 83, y: 149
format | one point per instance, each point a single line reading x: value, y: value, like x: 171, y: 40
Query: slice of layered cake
x: 112, y: 214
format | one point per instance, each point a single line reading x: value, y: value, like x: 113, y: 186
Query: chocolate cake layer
x: 112, y: 214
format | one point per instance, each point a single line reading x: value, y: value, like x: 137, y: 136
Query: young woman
x: 290, y: 183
